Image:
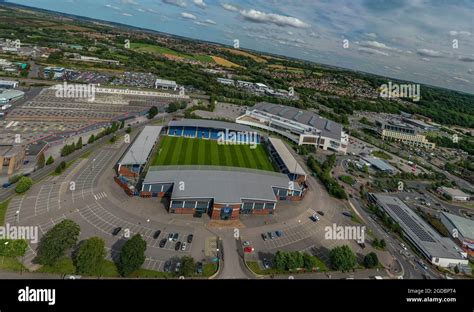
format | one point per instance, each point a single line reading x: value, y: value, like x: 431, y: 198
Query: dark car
x: 199, y: 268
x: 271, y: 235
x: 116, y: 231
x: 157, y: 234
x: 167, y: 267
x: 163, y: 243
x: 279, y: 233
x: 177, y: 267
x: 347, y: 214
x: 175, y: 237
x: 177, y: 246
x: 264, y: 236
x: 266, y: 263
x: 320, y: 212
x: 190, y: 238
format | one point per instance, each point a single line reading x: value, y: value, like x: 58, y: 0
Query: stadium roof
x: 379, y: 164
x: 142, y: 146
x: 463, y: 225
x: 327, y: 127
x: 224, y: 184
x: 418, y: 230
x: 203, y: 123
x: 288, y: 159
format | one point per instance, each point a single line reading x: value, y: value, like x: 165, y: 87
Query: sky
x: 425, y: 41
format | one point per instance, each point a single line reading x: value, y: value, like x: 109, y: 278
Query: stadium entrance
x: 226, y: 213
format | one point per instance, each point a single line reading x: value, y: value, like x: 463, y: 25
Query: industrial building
x: 379, y: 164
x: 301, y: 127
x: 11, y: 158
x: 222, y: 192
x: 440, y: 251
x: 10, y: 95
x: 454, y: 194
x: 402, y: 132
x: 166, y: 84
x: 286, y: 161
x: 461, y: 229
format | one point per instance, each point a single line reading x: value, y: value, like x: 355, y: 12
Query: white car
x: 403, y: 246
x: 183, y: 246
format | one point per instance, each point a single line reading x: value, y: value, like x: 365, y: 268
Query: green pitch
x: 186, y: 151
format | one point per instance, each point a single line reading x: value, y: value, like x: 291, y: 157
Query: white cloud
x: 209, y: 21
x: 271, y: 18
x: 113, y: 7
x: 459, y: 33
x: 127, y: 14
x: 461, y: 79
x: 188, y: 16
x: 428, y: 52
x: 371, y: 35
x: 229, y: 7
x: 467, y: 58
x: 199, y: 3
x: 179, y: 3
x: 372, y: 51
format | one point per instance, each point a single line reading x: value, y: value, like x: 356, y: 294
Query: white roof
x: 290, y: 162
x: 165, y: 82
x: 142, y: 146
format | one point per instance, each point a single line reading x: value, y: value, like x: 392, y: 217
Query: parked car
x: 6, y: 185
x: 264, y: 236
x: 271, y: 235
x: 177, y: 246
x: 183, y: 246
x: 266, y: 263
x: 175, y: 237
x: 177, y: 267
x: 314, y: 218
x: 190, y: 238
x: 320, y: 212
x: 403, y: 246
x: 248, y: 249
x: 116, y: 231
x: 362, y: 245
x: 347, y: 214
x: 157, y: 234
x: 167, y: 266
x: 246, y: 243
x: 199, y: 268
x: 170, y: 236
x: 279, y: 233
x: 163, y: 243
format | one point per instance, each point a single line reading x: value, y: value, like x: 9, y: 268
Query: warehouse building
x: 380, y: 165
x: 454, y: 194
x: 222, y: 192
x: 440, y: 251
x: 461, y: 229
x: 286, y: 161
x: 301, y: 127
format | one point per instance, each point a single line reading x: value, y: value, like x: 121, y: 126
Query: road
x: 232, y: 266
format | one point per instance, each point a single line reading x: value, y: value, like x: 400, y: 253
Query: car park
x: 177, y: 246
x: 116, y: 231
x: 156, y: 234
x: 163, y: 243
x: 190, y: 238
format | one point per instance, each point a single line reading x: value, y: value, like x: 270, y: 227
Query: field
x: 223, y: 62
x: 186, y: 151
x: 252, y: 56
x: 169, y: 52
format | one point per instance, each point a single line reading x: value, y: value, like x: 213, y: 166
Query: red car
x: 248, y: 249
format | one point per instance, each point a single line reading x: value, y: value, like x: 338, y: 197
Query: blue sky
x: 406, y: 39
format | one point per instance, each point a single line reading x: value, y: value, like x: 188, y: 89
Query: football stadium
x: 210, y: 167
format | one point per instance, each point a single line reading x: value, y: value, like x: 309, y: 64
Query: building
x: 419, y: 124
x: 244, y: 84
x: 301, y: 127
x: 222, y: 192
x: 461, y: 229
x: 286, y: 161
x: 380, y: 165
x: 440, y: 251
x: 11, y: 158
x: 166, y: 84
x: 136, y: 157
x: 454, y: 194
x: 224, y: 81
x: 8, y: 84
x: 10, y: 95
x: 56, y: 72
x: 401, y: 132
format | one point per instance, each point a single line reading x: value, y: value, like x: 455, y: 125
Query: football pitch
x: 186, y: 151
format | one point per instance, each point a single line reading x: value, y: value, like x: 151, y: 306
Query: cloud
x: 271, y: 18
x: 461, y: 79
x: 466, y: 58
x: 188, y: 16
x: 372, y: 51
x: 129, y: 2
x: 179, y: 3
x: 113, y: 7
x: 371, y: 35
x: 127, y: 14
x: 459, y: 33
x: 200, y: 3
x: 377, y: 45
x: 428, y: 52
x: 209, y: 21
x: 229, y: 7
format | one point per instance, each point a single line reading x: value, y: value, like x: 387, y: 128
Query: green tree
x: 23, y: 185
x: 371, y: 260
x: 132, y: 255
x: 342, y: 258
x: 41, y: 161
x: 50, y: 160
x: 152, y: 112
x: 54, y: 244
x: 128, y: 130
x: 382, y: 243
x: 188, y: 267
x: 91, y: 139
x: 13, y: 247
x: 281, y: 260
x: 79, y: 144
x: 90, y: 256
x: 309, y: 261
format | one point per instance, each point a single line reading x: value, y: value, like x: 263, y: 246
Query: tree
x: 371, y: 260
x: 54, y: 244
x: 79, y: 144
x: 90, y: 256
x: 63, y: 165
x: 188, y: 267
x: 41, y: 161
x: 132, y: 255
x: 13, y: 247
x: 122, y: 124
x: 309, y: 261
x: 152, y: 112
x: 128, y: 130
x: 23, y: 185
x: 342, y: 258
x: 91, y: 139
x: 50, y: 160
x: 382, y: 243
x: 281, y: 260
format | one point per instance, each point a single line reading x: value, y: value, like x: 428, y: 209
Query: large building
x: 454, y: 194
x: 11, y: 158
x: 301, y: 127
x: 286, y: 161
x: 10, y: 95
x: 461, y: 229
x: 440, y: 251
x: 8, y: 84
x: 166, y: 84
x: 379, y: 164
x: 402, y: 132
x: 222, y: 192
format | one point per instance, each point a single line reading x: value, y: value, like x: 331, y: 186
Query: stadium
x: 210, y: 167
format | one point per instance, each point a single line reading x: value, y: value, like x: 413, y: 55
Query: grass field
x: 185, y: 151
x: 223, y: 62
x: 166, y: 51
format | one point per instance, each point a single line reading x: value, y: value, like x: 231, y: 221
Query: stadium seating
x: 190, y: 132
x: 175, y: 131
x: 203, y: 133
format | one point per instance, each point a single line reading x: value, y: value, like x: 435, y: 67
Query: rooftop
x: 223, y: 184
x: 10, y: 93
x: 379, y: 164
x: 142, y: 146
x: 463, y: 225
x: 290, y: 162
x: 454, y: 192
x: 203, y: 123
